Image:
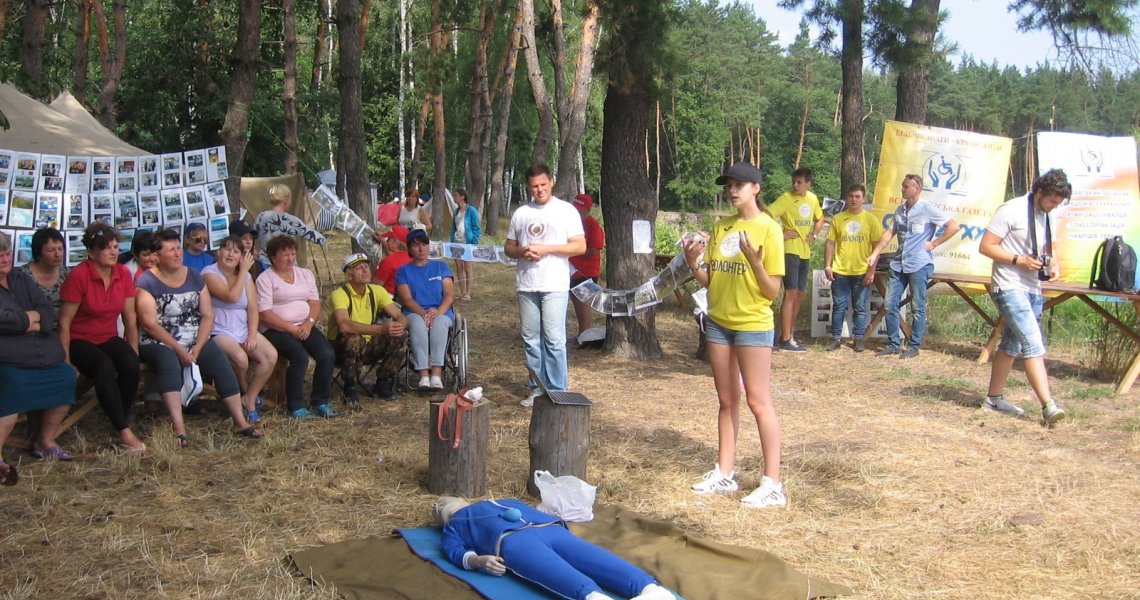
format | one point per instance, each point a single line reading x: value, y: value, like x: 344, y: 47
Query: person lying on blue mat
x: 496, y: 536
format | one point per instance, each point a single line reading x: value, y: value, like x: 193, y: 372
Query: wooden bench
x: 85, y: 402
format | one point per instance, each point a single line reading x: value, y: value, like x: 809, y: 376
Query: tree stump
x: 559, y: 440
x: 459, y: 471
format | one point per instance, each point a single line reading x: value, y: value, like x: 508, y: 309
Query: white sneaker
x: 436, y: 383
x: 1052, y: 413
x: 529, y: 400
x: 425, y: 382
x: 716, y: 482
x: 1000, y: 404
x: 767, y: 495
x: 654, y: 592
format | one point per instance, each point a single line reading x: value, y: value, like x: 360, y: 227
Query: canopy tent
x: 64, y: 128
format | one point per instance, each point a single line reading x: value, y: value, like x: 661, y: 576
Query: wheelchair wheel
x: 461, y: 359
x: 457, y: 355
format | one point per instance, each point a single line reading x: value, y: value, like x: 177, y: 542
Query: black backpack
x: 1114, y: 266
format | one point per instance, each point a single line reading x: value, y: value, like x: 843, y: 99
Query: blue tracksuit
x: 540, y: 549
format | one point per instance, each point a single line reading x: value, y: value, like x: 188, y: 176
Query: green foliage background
x: 725, y: 77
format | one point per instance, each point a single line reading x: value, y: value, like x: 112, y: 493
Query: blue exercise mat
x: 424, y: 541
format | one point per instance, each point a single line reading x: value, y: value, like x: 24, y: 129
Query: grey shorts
x: 797, y: 272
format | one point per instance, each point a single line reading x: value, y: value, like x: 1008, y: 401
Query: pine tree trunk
x: 3, y: 18
x: 851, y: 128
x: 243, y: 85
x: 913, y: 83
x: 499, y: 154
x: 572, y: 112
x: 545, y: 135
x: 82, y: 45
x: 318, y: 75
x: 351, y: 150
x: 628, y: 197
x: 478, y: 144
x: 32, y: 44
x: 439, y: 182
x: 289, y: 88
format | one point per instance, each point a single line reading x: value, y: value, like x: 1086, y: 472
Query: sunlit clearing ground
x: 899, y: 484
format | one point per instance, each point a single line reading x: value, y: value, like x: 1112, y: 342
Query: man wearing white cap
x: 366, y: 328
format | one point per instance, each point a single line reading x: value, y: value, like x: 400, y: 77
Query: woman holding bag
x: 176, y: 316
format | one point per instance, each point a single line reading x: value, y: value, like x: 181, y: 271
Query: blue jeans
x: 918, y: 282
x: 848, y: 290
x: 1021, y: 337
x: 543, y: 320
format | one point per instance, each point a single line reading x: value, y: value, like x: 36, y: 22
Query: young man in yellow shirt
x: 799, y: 214
x: 851, y: 240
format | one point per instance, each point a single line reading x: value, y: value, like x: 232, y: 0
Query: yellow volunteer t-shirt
x: 855, y: 237
x: 799, y: 213
x: 362, y: 309
x: 735, y: 300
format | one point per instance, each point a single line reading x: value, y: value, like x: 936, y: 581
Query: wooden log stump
x: 459, y: 471
x: 559, y: 440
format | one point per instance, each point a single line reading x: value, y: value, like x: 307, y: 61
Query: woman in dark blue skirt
x: 33, y: 372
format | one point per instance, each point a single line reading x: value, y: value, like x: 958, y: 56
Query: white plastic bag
x: 567, y: 496
x: 191, y: 383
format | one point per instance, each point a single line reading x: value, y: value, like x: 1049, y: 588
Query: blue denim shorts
x: 1021, y: 337
x: 715, y: 334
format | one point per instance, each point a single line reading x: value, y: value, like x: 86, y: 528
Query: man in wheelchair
x: 367, y: 330
x: 425, y: 291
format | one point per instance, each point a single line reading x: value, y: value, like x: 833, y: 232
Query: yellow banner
x: 963, y: 173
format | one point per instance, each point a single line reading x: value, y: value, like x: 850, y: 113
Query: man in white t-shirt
x: 1021, y: 248
x: 543, y: 235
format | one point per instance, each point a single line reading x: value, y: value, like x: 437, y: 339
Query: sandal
x: 181, y: 440
x: 53, y: 452
x: 8, y: 474
x: 249, y: 432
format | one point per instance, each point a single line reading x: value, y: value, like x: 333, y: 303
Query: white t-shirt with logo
x: 1011, y: 223
x: 552, y: 223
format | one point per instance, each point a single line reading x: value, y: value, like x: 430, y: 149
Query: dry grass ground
x: 900, y: 485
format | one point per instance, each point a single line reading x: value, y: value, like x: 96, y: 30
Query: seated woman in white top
x: 236, y: 320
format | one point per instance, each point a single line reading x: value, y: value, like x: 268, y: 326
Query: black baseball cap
x: 741, y: 171
x: 240, y: 228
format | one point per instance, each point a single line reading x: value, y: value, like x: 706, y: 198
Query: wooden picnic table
x: 1055, y: 292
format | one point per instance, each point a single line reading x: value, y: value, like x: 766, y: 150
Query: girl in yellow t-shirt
x: 745, y: 263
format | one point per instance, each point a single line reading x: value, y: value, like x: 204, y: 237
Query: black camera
x: 1045, y: 273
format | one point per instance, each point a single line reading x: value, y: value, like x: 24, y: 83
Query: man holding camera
x: 1019, y: 241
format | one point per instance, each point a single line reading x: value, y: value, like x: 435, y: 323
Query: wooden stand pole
x: 459, y: 471
x: 559, y: 440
